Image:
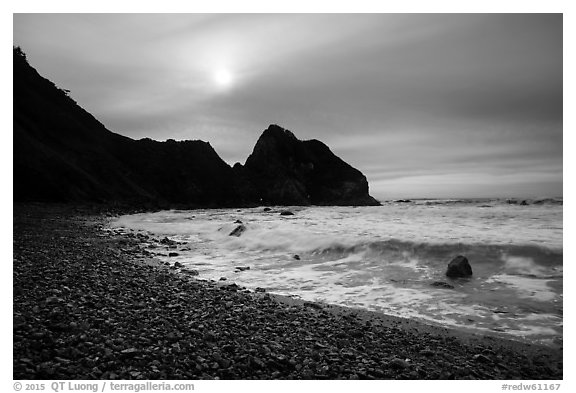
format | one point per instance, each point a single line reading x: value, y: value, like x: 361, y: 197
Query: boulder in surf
x: 459, y: 267
x: 238, y: 231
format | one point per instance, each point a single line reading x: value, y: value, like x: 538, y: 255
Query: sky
x: 425, y: 105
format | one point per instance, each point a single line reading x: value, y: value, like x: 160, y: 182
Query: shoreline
x: 273, y: 336
x: 171, y: 250
x: 468, y: 335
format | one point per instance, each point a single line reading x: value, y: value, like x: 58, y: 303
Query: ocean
x: 386, y: 258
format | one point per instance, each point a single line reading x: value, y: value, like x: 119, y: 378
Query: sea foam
x: 386, y: 258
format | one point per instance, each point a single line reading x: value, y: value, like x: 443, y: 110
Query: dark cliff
x: 63, y: 154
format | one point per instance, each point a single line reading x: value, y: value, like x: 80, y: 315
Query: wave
x: 481, y: 202
x: 337, y: 245
x: 522, y: 243
x: 516, y: 259
x: 532, y: 251
x: 325, y: 247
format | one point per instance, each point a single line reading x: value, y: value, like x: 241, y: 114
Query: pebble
x: 398, y: 363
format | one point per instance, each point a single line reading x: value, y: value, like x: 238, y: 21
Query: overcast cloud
x: 426, y: 105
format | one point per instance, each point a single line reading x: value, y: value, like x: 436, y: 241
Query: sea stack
x: 287, y: 171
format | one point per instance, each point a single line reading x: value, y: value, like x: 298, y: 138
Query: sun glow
x: 223, y: 78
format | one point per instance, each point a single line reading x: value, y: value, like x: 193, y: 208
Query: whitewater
x: 390, y: 259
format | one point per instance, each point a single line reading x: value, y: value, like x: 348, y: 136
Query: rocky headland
x: 63, y: 154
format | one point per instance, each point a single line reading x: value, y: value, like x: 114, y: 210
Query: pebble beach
x: 90, y: 304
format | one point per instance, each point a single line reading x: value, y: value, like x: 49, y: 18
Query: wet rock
x: 190, y: 272
x: 167, y: 241
x: 524, y: 203
x: 442, y: 284
x: 178, y: 264
x: 286, y: 213
x: 173, y: 254
x: 266, y: 209
x: 297, y: 257
x: 459, y: 267
x: 239, y: 230
x: 232, y: 287
x: 242, y: 268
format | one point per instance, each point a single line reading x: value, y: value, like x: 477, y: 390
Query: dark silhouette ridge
x: 63, y: 154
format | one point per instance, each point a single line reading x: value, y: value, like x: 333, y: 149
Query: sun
x: 223, y: 78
